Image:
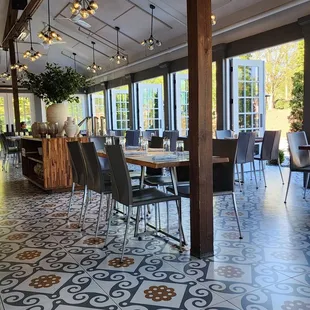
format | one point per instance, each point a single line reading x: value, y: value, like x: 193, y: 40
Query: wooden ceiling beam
x: 15, y: 29
x: 11, y: 18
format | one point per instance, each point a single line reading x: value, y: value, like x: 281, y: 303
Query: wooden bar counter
x: 46, y: 162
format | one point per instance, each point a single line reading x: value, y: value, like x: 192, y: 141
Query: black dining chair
x: 245, y: 153
x: 270, y: 151
x: 99, y: 143
x: 97, y: 181
x: 299, y: 159
x: 79, y: 173
x: 223, y: 175
x: 173, y: 136
x: 8, y: 150
x: 122, y: 192
x: 132, y: 137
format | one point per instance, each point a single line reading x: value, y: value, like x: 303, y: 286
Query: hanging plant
x: 56, y: 84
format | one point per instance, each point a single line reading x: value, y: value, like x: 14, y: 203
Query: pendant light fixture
x: 48, y: 36
x: 6, y: 75
x: 151, y: 42
x: 31, y: 54
x: 84, y: 8
x: 18, y: 66
x: 94, y: 67
x: 118, y: 57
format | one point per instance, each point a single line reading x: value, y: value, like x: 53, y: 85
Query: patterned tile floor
x: 47, y: 263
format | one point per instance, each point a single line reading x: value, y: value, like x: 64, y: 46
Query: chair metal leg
x: 237, y: 168
x: 237, y: 215
x: 263, y: 171
x: 279, y: 165
x: 85, y: 211
x: 138, y: 216
x: 306, y: 185
x: 109, y: 223
x: 181, y: 232
x: 288, y: 185
x: 254, y: 170
x: 70, y: 201
x: 157, y: 214
x: 108, y: 206
x: 126, y: 231
x: 83, y: 205
x: 99, y: 214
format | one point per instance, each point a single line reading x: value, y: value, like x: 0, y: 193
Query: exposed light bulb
x: 76, y: 5
x: 93, y: 5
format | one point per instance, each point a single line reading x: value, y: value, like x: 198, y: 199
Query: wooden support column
x: 305, y: 24
x: 132, y: 122
x: 14, y: 86
x: 220, y: 55
x: 200, y: 125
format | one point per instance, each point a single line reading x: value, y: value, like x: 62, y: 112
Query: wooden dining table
x: 147, y: 161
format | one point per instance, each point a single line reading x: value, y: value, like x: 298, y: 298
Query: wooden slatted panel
x: 56, y: 162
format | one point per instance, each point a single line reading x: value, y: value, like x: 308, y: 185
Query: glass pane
x: 255, y: 104
x: 241, y: 89
x: 241, y: 121
x: 254, y: 73
x: 255, y: 89
x: 248, y: 73
x: 248, y: 105
x: 248, y: 121
x: 256, y: 120
x: 241, y: 105
x: 248, y: 89
x: 240, y: 73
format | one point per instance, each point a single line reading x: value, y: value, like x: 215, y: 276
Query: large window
x: 120, y: 108
x: 2, y: 113
x: 26, y: 110
x: 98, y: 104
x: 77, y: 110
x: 182, y: 100
x: 151, y: 105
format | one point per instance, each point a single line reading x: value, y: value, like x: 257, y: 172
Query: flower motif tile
x: 28, y: 255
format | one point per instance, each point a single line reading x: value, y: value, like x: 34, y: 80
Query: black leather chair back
x: 78, y: 164
x: 245, y: 151
x: 299, y: 158
x: 121, y: 182
x: 224, y: 174
x: 270, y: 146
x: 156, y: 142
x: 99, y: 143
x: 132, y: 137
x: 173, y: 135
x: 96, y: 180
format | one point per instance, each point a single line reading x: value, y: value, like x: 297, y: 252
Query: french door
x: 182, y: 103
x: 120, y: 109
x: 26, y: 108
x: 151, y: 107
x: 248, y: 95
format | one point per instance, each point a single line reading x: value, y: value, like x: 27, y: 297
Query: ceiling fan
x: 76, y: 19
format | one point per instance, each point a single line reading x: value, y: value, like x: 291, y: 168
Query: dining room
x: 136, y: 168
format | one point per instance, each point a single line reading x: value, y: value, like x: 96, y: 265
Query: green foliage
x: 55, y: 84
x: 281, y: 158
x: 297, y: 102
x: 282, y: 104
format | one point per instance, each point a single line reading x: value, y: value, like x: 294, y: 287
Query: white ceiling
x: 133, y: 18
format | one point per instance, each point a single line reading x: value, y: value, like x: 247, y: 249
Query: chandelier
x: 118, y: 57
x: 84, y: 8
x: 18, y: 66
x: 6, y: 75
x: 31, y: 54
x: 213, y: 19
x: 47, y: 35
x: 94, y: 67
x: 151, y: 42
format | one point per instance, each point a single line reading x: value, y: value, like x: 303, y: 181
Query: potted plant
x: 55, y: 86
